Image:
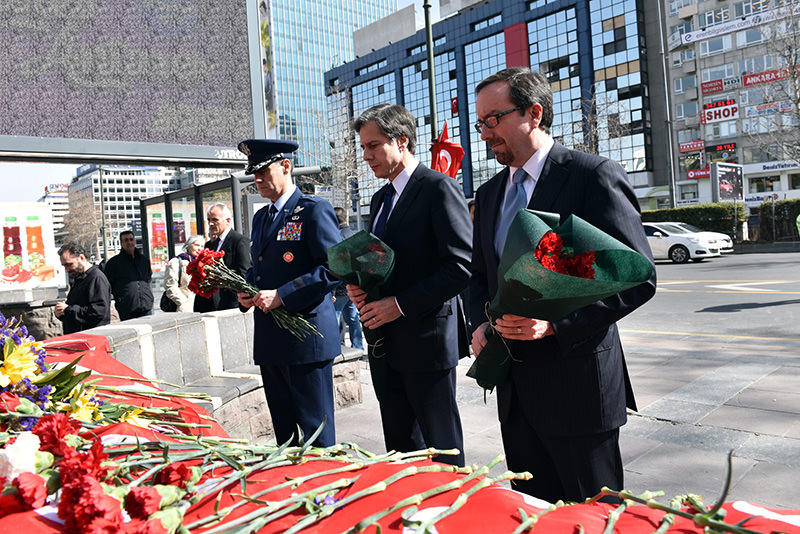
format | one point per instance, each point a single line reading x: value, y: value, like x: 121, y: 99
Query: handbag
x: 167, y: 304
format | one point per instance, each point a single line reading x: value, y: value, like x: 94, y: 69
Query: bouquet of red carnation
x: 547, y: 271
x: 367, y: 262
x: 210, y: 274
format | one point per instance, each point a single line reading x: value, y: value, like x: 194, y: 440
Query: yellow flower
x: 81, y: 404
x: 18, y: 364
x: 132, y: 418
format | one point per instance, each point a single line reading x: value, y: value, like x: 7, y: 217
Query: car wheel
x: 679, y: 254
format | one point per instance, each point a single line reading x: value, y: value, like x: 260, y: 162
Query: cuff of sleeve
x: 398, y: 307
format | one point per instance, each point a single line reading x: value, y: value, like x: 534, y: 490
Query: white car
x: 670, y: 242
x: 723, y: 240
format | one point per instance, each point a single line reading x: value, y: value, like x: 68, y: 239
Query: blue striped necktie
x: 515, y: 201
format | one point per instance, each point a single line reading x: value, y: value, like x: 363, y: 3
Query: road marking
x: 691, y: 334
x: 742, y: 287
x: 755, y: 292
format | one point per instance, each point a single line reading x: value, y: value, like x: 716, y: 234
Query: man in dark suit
x: 422, y: 215
x: 290, y: 241
x: 237, y: 256
x: 561, y: 408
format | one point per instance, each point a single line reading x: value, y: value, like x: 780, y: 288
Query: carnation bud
x: 169, y: 493
x: 44, y: 460
x: 171, y: 518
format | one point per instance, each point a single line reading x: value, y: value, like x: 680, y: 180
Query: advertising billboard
x: 145, y: 80
x: 30, y: 260
x: 727, y: 182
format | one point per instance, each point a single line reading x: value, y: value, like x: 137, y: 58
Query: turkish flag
x: 446, y: 157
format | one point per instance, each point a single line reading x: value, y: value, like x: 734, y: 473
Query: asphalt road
x: 752, y: 298
x: 714, y: 360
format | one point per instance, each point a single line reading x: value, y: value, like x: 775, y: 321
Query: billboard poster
x: 727, y: 182
x: 30, y: 259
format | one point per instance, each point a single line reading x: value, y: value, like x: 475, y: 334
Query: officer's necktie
x: 380, y: 225
x: 270, y: 217
x: 515, y: 201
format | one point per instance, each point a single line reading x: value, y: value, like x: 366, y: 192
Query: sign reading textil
x: 691, y: 146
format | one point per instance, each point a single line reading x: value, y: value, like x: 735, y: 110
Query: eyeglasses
x: 493, y: 120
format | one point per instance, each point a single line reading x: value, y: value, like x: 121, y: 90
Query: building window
x: 756, y: 64
x: 749, y: 37
x: 720, y: 130
x: 715, y: 16
x: 680, y: 29
x: 687, y: 109
x: 682, y: 84
x: 794, y: 181
x: 675, y: 5
x: 763, y: 184
x: 688, y: 134
x: 719, y: 73
x: 485, y: 23
x: 684, y: 55
x: 688, y: 191
x: 742, y: 9
x: 714, y: 46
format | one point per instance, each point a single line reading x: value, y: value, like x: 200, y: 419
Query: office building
x: 122, y: 188
x: 56, y: 196
x: 726, y: 75
x: 601, y: 58
x: 309, y: 38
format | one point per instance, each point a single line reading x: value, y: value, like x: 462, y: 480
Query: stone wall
x: 212, y: 353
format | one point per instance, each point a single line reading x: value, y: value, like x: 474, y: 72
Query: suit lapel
x: 494, y: 201
x: 554, y: 176
x: 405, y: 201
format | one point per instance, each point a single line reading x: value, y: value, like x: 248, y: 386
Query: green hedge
x: 716, y: 217
x: 786, y: 212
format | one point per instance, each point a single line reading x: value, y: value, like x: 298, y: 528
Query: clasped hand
x: 513, y: 327
x: 373, y: 314
x: 265, y: 300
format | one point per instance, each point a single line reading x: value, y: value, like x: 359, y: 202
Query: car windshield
x: 691, y: 228
x: 673, y: 228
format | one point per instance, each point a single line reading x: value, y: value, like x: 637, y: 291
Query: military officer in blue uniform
x: 290, y: 240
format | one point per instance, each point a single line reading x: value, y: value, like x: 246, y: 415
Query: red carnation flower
x: 174, y: 475
x: 551, y: 254
x: 8, y: 402
x: 84, y: 507
x: 31, y: 490
x: 52, y: 429
x: 142, y: 501
x: 75, y: 464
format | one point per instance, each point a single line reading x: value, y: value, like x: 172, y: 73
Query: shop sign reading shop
x: 720, y: 110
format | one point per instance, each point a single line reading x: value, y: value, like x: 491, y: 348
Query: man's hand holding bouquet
x: 547, y: 271
x: 365, y: 264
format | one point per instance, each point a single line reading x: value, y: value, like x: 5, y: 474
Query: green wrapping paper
x: 528, y: 289
x: 365, y: 261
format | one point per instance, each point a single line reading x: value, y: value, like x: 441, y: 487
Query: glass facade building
x: 310, y: 37
x: 593, y: 52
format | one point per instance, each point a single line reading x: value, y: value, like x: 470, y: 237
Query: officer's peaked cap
x: 262, y: 152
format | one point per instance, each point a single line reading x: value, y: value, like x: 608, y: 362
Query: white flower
x: 20, y: 456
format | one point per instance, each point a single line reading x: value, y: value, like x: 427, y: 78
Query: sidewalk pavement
x: 697, y: 401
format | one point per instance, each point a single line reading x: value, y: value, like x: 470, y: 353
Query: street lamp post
x: 426, y: 5
x: 103, y: 215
